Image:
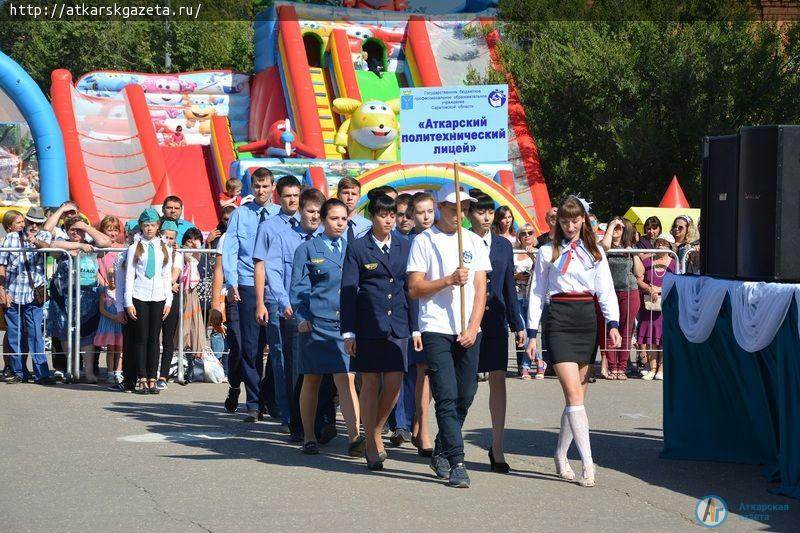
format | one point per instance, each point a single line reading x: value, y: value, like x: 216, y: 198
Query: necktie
x: 293, y: 222
x: 262, y: 215
x: 351, y: 234
x: 573, y: 246
x: 150, y: 268
x: 335, y: 245
x: 308, y: 237
x: 386, y: 249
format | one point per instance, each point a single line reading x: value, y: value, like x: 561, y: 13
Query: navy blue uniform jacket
x: 375, y: 290
x: 502, y: 307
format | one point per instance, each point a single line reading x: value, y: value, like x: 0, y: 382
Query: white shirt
x: 435, y: 253
x: 583, y: 274
x: 522, y: 265
x: 380, y: 244
x: 137, y: 285
x: 487, y: 238
x: 119, y: 278
x: 220, y: 243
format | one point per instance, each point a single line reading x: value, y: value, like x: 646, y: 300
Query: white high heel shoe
x: 587, y: 477
x: 563, y: 470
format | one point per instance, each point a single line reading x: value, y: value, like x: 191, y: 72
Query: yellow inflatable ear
x: 394, y: 105
x: 345, y: 106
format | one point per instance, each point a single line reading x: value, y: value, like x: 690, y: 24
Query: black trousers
x: 146, y: 331
x: 168, y: 328
x: 233, y: 335
x: 452, y: 370
x: 130, y: 366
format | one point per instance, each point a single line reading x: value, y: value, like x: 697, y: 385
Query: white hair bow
x: 587, y: 206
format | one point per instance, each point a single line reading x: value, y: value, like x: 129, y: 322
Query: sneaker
x: 58, y: 374
x: 47, y: 381
x: 458, y: 477
x: 648, y: 375
x: 13, y: 379
x: 526, y: 374
x: 110, y: 379
x: 119, y: 387
x: 659, y: 376
x: 400, y: 436
x: 440, y: 466
x: 161, y: 384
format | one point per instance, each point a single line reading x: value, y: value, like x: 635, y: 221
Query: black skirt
x: 570, y: 332
x: 493, y: 354
x: 380, y: 355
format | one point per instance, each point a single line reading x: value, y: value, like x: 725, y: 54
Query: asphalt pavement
x: 80, y: 457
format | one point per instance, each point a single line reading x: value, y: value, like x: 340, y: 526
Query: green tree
x: 82, y: 46
x: 622, y: 105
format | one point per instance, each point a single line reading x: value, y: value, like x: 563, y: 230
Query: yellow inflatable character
x: 371, y: 130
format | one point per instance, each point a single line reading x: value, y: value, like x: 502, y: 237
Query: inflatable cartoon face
x: 358, y: 32
x: 374, y: 125
x: 163, y: 99
x: 198, y: 108
x: 164, y: 84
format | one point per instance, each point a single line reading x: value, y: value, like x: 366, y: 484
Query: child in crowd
x: 110, y: 226
x: 148, y: 298
x: 109, y: 332
x: 233, y: 193
x: 169, y: 232
x: 194, y: 329
x: 177, y: 138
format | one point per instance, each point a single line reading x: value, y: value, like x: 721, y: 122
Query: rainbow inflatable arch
x: 433, y: 176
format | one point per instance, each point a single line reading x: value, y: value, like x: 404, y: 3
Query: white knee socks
x: 579, y: 423
x: 564, y: 437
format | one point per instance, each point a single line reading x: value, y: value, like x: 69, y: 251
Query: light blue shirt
x: 279, y: 261
x: 240, y: 242
x: 329, y: 243
x: 359, y: 224
x: 269, y: 228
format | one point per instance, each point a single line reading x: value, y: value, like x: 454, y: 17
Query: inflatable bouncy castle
x: 322, y: 104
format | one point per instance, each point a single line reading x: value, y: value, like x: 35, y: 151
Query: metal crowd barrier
x: 680, y: 267
x: 72, y: 370
x: 181, y: 378
x: 75, y: 348
x: 76, y: 343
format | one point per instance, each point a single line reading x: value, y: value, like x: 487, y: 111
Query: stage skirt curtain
x: 723, y: 402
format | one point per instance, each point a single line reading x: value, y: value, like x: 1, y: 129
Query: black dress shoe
x: 424, y: 452
x: 500, y: 468
x: 375, y: 466
x: 327, y: 434
x: 232, y: 401
x: 46, y: 381
x: 252, y: 416
x: 357, y: 447
x: 310, y: 448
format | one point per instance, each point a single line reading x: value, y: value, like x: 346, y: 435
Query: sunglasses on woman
x: 525, y: 233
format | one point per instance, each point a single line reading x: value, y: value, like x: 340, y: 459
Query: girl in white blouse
x: 575, y: 271
x: 148, y: 298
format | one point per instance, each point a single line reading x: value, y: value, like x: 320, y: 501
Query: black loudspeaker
x: 769, y: 204
x: 720, y: 206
